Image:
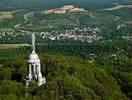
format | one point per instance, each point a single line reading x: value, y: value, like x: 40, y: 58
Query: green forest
x: 68, y: 78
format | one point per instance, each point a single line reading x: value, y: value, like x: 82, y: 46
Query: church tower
x: 34, y: 72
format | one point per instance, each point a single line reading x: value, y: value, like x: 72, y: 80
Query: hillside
x: 68, y: 78
x: 52, y: 4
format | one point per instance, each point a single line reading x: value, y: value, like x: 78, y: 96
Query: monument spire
x: 33, y: 42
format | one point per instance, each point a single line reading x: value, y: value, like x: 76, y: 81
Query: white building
x: 34, y: 72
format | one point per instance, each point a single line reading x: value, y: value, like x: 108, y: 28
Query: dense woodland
x: 68, y: 77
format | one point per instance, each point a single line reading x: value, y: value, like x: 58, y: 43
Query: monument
x: 34, y: 66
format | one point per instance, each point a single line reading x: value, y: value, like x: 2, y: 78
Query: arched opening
x: 36, y: 68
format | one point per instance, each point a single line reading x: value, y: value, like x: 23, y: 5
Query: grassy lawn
x: 7, y: 14
x: 7, y: 46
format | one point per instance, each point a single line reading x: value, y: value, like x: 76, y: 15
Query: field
x: 119, y: 7
x: 7, y: 14
x: 8, y: 46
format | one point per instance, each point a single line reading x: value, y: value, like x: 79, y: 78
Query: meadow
x: 9, y: 46
x: 119, y: 7
x: 8, y: 14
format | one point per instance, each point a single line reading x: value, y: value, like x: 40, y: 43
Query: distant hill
x: 51, y: 3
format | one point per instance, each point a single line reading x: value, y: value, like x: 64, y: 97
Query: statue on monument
x: 33, y: 42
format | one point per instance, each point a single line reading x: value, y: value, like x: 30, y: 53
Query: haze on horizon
x: 51, y: 4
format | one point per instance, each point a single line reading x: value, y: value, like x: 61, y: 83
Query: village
x: 86, y: 34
